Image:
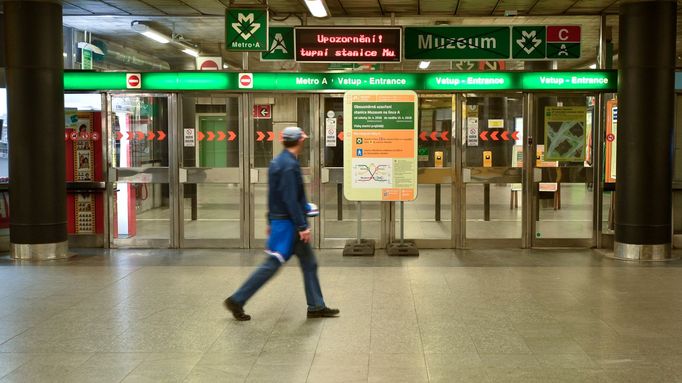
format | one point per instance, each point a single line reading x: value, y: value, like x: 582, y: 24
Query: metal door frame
x: 310, y: 173
x: 534, y: 177
x: 334, y: 175
x: 462, y: 240
x: 218, y: 176
x: 171, y: 176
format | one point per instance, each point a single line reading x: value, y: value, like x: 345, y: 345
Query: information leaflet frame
x: 380, y: 145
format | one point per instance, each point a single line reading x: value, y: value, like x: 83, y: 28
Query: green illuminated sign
x: 570, y: 80
x: 457, y: 43
x: 301, y: 82
x: 281, y: 44
x: 246, y: 29
x: 94, y: 80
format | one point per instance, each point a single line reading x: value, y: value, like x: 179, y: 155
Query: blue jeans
x: 306, y: 257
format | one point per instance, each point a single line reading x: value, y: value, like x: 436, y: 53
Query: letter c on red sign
x: 563, y: 34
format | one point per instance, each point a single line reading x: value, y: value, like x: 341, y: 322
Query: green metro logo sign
x: 246, y: 29
x: 529, y: 42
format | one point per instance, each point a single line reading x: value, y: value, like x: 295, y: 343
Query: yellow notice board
x: 380, y: 146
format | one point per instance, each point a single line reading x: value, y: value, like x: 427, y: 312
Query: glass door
x: 428, y: 219
x: 269, y: 115
x: 142, y: 188
x: 211, y: 177
x: 339, y: 216
x: 491, y: 203
x: 562, y: 188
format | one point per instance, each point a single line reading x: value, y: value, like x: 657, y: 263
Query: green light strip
x: 298, y: 82
x: 94, y: 80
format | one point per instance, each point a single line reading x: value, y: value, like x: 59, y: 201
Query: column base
x: 39, y: 251
x: 634, y: 252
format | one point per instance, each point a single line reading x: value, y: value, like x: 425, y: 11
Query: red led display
x: 347, y: 44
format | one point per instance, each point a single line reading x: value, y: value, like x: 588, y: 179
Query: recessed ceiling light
x: 424, y: 64
x: 317, y: 8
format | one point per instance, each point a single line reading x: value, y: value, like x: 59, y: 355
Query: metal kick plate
x: 158, y: 175
x: 211, y: 175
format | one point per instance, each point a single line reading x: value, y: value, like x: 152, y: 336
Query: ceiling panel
x: 476, y: 7
x: 135, y: 7
x: 172, y: 7
x: 438, y: 6
x: 522, y: 6
x: 553, y: 7
x: 361, y: 7
x: 400, y: 6
x: 96, y: 6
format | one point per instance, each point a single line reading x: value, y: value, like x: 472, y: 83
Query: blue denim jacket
x: 286, y: 195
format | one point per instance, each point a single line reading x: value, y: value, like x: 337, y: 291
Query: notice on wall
x: 472, y: 131
x: 83, y: 150
x: 330, y: 132
x: 85, y: 213
x: 611, y: 138
x: 380, y: 146
x: 565, y: 133
x: 188, y: 138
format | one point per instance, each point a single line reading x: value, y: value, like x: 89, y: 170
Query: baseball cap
x: 293, y: 133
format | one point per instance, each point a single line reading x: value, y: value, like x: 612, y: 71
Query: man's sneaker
x: 236, y: 309
x: 324, y: 313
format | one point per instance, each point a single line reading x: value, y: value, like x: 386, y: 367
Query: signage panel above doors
x: 316, y: 81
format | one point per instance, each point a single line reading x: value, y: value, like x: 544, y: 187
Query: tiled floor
x: 447, y: 316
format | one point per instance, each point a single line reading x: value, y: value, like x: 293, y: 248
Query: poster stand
x: 359, y: 246
x: 402, y: 248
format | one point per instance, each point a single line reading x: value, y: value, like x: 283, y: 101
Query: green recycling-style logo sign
x: 529, y: 42
x: 246, y: 29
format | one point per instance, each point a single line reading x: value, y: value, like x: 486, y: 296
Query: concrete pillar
x: 645, y: 130
x: 35, y: 96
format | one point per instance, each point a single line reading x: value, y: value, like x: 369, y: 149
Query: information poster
x: 380, y: 146
x: 611, y: 138
x: 565, y: 133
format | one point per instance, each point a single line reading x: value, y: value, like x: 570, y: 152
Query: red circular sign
x: 245, y: 80
x: 133, y: 80
x: 209, y: 65
x: 610, y: 137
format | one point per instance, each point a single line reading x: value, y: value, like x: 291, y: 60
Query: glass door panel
x: 211, y: 174
x: 339, y: 216
x: 562, y: 189
x: 270, y: 115
x: 428, y: 219
x: 139, y: 147
x: 492, y: 162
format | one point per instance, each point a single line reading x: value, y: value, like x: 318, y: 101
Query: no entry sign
x: 133, y: 81
x: 246, y: 80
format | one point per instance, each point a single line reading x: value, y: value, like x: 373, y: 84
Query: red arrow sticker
x: 260, y: 137
x: 160, y: 135
x: 151, y: 136
x: 434, y: 136
x: 515, y: 136
x: 484, y: 135
x: 211, y: 135
x: 271, y: 136
x: 493, y: 135
x: 200, y: 136
x: 232, y: 135
x: 422, y: 136
x: 444, y: 136
x: 505, y: 135
x: 340, y: 136
x: 221, y: 135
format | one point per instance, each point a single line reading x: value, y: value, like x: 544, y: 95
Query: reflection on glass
x: 140, y: 131
x: 425, y: 218
x: 141, y: 211
x: 563, y: 198
x: 492, y: 134
x: 340, y: 215
x: 214, y: 212
x: 435, y: 125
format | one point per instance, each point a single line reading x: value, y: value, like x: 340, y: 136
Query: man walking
x: 288, y: 231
